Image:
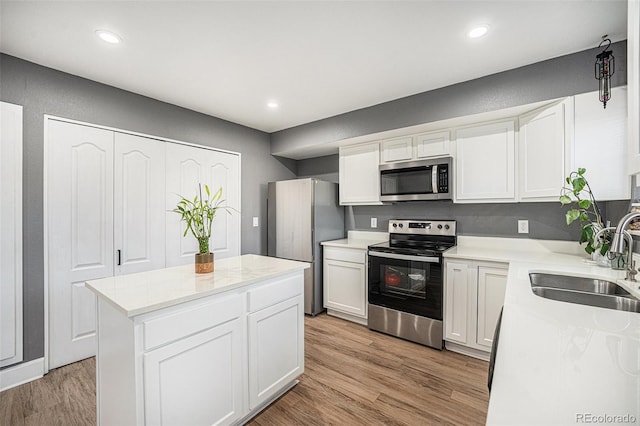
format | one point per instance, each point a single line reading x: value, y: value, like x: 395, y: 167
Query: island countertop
x: 140, y: 293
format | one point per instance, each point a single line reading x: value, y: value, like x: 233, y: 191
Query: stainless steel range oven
x: 406, y: 283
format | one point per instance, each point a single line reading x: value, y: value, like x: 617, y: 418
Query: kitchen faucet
x: 617, y: 245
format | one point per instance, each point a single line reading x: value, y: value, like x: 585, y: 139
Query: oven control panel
x: 422, y: 227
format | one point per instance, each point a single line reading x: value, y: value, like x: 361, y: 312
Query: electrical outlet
x: 374, y: 222
x: 523, y: 226
x: 256, y: 223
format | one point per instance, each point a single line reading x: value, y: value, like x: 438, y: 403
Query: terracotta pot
x: 204, y: 263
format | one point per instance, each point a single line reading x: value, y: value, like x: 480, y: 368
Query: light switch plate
x: 523, y: 226
x: 374, y: 222
x: 256, y: 223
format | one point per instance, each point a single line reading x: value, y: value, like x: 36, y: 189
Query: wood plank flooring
x: 353, y: 376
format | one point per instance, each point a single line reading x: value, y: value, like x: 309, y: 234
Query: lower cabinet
x: 276, y: 349
x: 345, y: 283
x: 474, y: 294
x: 180, y: 378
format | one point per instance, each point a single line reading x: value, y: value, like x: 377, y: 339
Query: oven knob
x: 439, y: 226
x: 400, y: 225
x: 395, y: 225
x: 446, y: 227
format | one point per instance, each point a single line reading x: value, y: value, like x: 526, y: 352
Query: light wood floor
x: 353, y: 376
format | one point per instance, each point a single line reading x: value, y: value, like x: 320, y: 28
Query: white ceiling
x: 317, y: 59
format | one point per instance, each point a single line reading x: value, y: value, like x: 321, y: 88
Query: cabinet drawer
x: 345, y: 254
x: 279, y: 290
x: 170, y: 327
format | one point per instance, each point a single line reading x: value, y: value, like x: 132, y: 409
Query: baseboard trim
x: 348, y: 317
x: 465, y: 350
x: 21, y: 374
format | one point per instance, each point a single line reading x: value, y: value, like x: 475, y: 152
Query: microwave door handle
x: 434, y: 179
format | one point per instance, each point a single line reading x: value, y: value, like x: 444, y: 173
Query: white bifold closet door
x: 186, y: 168
x: 105, y: 204
x: 10, y: 234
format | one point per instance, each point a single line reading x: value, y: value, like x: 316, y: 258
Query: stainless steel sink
x: 583, y: 291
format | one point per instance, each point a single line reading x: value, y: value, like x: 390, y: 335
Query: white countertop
x: 136, y: 294
x: 558, y: 361
x: 358, y: 240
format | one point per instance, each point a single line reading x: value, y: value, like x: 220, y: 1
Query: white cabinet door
x: 434, y: 144
x: 360, y: 174
x: 399, y: 149
x: 187, y: 167
x: 345, y: 287
x: 492, y: 284
x: 460, y: 297
x: 80, y: 234
x: 276, y: 348
x: 10, y: 234
x: 600, y: 141
x: 139, y: 204
x: 633, y: 82
x: 542, y: 154
x: 485, y: 163
x: 197, y: 380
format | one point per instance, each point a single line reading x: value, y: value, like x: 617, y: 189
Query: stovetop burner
x: 418, y: 237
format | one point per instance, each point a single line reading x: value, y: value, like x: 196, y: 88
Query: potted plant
x: 198, y: 216
x: 585, y: 211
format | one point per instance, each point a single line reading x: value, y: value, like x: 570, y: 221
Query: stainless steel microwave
x: 417, y: 180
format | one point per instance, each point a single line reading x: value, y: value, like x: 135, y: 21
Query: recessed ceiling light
x: 272, y: 104
x: 478, y: 31
x: 108, y: 36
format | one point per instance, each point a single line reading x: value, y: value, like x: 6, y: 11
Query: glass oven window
x: 407, y: 281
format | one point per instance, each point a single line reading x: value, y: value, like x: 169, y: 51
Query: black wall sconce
x: 605, y: 67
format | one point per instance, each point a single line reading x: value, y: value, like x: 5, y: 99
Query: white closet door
x: 80, y: 230
x: 139, y: 204
x: 187, y: 167
x: 10, y: 234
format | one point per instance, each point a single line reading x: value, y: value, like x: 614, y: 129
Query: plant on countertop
x: 586, y: 210
x: 198, y: 215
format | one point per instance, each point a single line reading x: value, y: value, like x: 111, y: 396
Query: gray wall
x: 43, y: 90
x: 555, y: 78
x: 563, y: 76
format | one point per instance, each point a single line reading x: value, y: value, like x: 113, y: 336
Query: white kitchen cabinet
x: 600, y: 144
x: 474, y: 295
x: 633, y: 84
x: 180, y: 379
x: 359, y: 174
x: 485, y: 163
x: 543, y: 150
x: 432, y: 144
x: 276, y: 349
x: 344, y: 283
x: 398, y: 149
x: 11, y: 334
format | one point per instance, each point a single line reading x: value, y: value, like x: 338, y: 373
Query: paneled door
x: 186, y: 167
x: 10, y: 234
x: 139, y: 198
x: 106, y: 216
x: 80, y: 234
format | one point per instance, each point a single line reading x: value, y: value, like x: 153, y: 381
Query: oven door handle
x: 428, y: 259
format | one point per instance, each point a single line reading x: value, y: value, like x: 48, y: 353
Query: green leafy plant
x: 198, y: 215
x: 585, y: 210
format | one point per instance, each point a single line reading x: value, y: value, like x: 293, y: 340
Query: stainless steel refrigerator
x: 301, y: 214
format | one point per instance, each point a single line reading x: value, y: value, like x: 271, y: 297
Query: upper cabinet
x: 485, y: 163
x: 415, y: 147
x: 600, y: 144
x: 633, y: 82
x: 543, y: 155
x: 360, y: 174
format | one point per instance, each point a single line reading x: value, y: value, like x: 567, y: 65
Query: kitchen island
x: 175, y: 347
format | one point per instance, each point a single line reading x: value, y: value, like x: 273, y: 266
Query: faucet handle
x: 632, y: 271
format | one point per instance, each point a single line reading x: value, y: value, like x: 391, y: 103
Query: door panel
x: 139, y: 203
x: 80, y: 224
